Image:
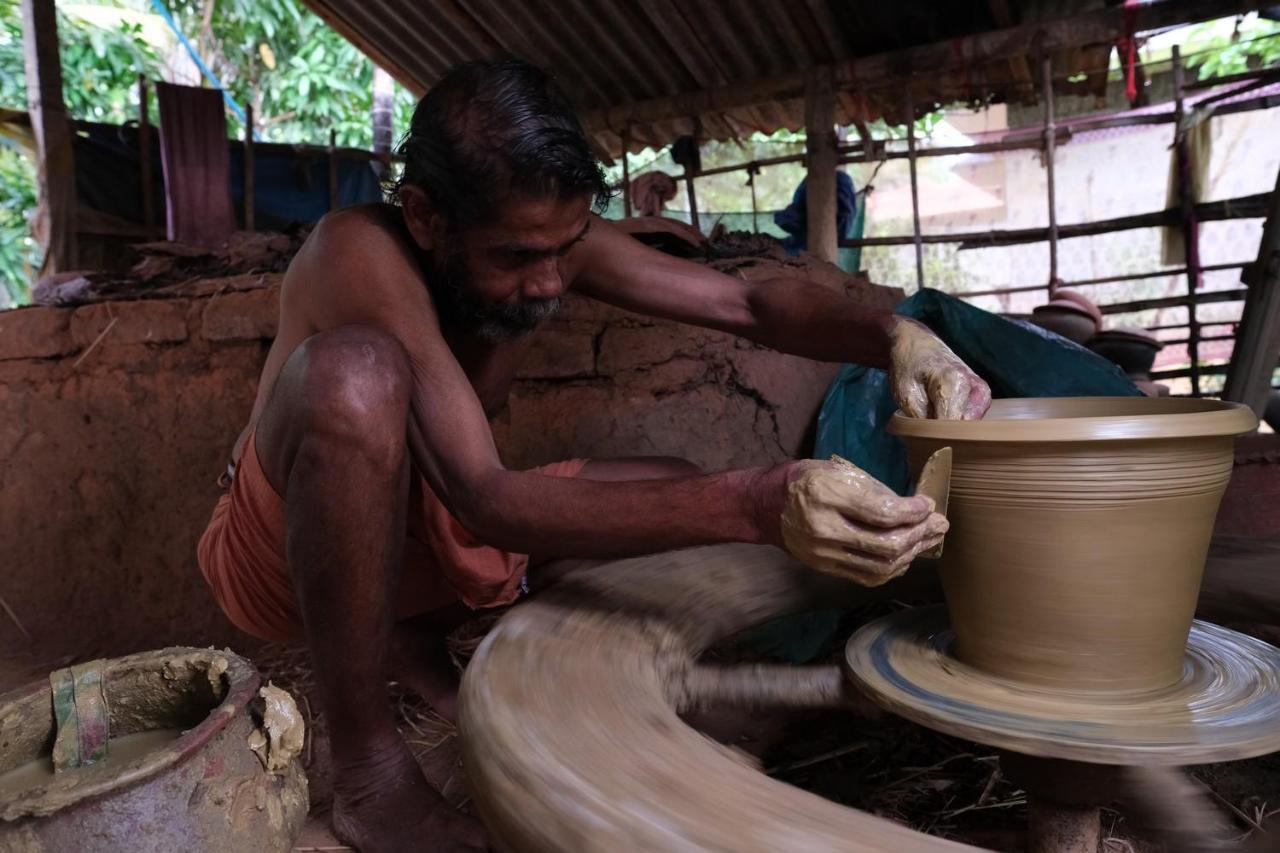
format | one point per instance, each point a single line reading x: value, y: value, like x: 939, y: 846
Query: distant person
x: 369, y: 511
x: 650, y: 193
x: 794, y: 218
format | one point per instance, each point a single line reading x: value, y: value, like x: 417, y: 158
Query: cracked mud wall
x: 116, y: 419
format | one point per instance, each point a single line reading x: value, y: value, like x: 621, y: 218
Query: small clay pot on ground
x: 1079, y: 529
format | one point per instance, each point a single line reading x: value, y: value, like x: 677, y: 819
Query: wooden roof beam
x: 879, y: 70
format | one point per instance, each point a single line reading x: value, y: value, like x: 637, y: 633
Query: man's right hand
x: 838, y: 519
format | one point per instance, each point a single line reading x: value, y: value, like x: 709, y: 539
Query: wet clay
x: 211, y: 789
x: 283, y: 731
x: 818, y: 527
x: 120, y: 751
x: 1079, y: 529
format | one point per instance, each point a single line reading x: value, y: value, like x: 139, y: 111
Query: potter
x: 367, y: 510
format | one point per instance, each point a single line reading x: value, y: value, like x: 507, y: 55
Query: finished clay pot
x: 1079, y: 529
x: 1067, y: 318
x: 1133, y: 349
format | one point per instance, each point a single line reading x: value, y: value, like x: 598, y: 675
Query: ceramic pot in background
x: 1133, y: 349
x: 1079, y: 529
x: 1066, y: 318
x: 1081, y: 300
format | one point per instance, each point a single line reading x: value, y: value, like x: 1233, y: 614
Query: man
x: 369, y: 510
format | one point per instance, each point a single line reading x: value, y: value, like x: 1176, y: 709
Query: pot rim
x: 1055, y: 419
x: 242, y: 682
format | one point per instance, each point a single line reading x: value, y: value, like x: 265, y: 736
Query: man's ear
x: 425, y: 223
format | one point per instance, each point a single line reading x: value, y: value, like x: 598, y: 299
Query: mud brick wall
x: 116, y: 419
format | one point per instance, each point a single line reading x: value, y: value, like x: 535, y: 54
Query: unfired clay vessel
x: 1079, y: 529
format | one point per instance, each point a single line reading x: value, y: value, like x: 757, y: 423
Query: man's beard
x: 460, y: 309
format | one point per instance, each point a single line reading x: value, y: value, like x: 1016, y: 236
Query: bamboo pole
x: 1050, y: 140
x: 333, y: 169
x: 1190, y: 229
x: 626, y: 172
x: 915, y: 188
x: 249, y: 199
x: 145, y: 166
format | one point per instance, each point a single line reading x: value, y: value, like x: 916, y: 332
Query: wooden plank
x: 1258, y: 336
x: 55, y: 159
x: 820, y: 183
x: 882, y: 69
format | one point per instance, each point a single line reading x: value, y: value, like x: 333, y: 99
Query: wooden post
x: 1257, y: 350
x: 821, y: 162
x: 1050, y: 148
x: 626, y: 172
x: 333, y: 169
x: 1190, y: 230
x: 915, y: 186
x: 145, y: 166
x: 249, y: 201
x: 753, y: 169
x: 55, y: 159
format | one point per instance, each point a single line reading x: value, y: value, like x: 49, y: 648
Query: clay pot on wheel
x: 1067, y: 318
x: 1079, y: 529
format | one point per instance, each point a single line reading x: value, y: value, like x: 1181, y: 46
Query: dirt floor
x: 883, y: 765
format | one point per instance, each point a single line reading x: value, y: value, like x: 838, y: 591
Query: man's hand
x: 840, y: 520
x: 928, y: 379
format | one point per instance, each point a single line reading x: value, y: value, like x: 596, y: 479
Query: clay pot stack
x: 1077, y: 318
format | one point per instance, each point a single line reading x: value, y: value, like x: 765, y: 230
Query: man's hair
x: 495, y: 127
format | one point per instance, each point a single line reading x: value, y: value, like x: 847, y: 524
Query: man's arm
x: 451, y: 444
x: 787, y: 314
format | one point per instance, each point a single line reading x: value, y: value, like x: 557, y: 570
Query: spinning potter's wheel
x: 1226, y: 705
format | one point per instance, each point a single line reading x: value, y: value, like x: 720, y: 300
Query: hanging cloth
x: 197, y: 164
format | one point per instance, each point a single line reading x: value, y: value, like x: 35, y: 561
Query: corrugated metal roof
x: 607, y: 53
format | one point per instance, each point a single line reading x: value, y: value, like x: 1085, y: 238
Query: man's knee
x: 353, y: 382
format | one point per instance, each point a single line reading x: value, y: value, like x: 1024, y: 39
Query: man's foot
x: 419, y: 659
x: 383, y: 804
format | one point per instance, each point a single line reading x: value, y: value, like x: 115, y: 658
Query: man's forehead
x: 538, y: 223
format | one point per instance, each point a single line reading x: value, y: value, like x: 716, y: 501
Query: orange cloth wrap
x: 241, y: 555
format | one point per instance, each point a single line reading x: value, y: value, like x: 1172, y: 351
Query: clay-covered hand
x: 839, y: 519
x: 928, y: 379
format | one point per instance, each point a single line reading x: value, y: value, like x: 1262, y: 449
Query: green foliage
x: 19, y: 254
x: 1253, y: 43
x: 302, y: 77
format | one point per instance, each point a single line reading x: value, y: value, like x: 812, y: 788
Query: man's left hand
x: 928, y: 379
